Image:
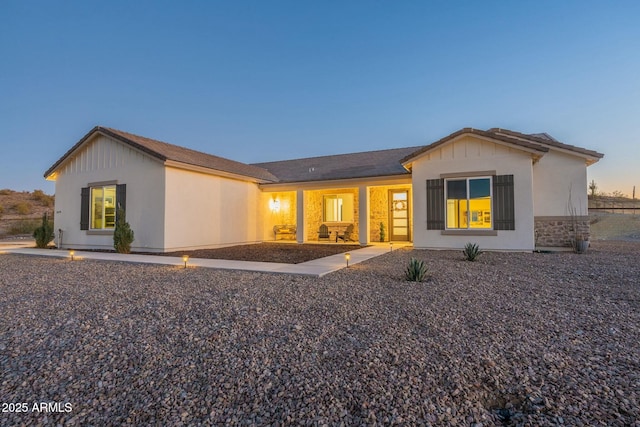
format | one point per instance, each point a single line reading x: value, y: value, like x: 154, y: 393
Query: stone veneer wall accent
x: 313, y: 210
x: 287, y: 213
x: 378, y: 212
x: 558, y: 231
x: 285, y: 216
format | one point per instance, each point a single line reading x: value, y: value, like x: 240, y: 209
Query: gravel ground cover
x: 269, y: 252
x: 512, y: 339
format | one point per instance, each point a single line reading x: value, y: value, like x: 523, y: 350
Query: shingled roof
x: 548, y: 140
x: 537, y: 142
x: 165, y: 151
x: 341, y: 166
x: 368, y: 164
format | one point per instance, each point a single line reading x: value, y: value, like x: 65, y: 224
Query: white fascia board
x: 337, y: 183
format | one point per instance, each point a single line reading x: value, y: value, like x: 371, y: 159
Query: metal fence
x: 616, y: 209
x: 19, y: 226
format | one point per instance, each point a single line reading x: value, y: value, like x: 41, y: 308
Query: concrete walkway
x: 316, y: 268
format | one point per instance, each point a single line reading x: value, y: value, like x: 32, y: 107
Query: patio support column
x: 300, y: 225
x: 363, y: 214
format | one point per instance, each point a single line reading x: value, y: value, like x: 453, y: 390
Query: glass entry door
x: 399, y: 215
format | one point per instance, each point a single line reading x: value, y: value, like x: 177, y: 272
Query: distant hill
x: 21, y: 211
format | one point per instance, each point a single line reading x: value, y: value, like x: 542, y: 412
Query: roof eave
x: 217, y: 172
x: 97, y: 130
x: 536, y: 150
x: 341, y: 181
x: 552, y: 143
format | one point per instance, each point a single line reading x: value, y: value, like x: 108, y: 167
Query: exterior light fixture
x: 185, y: 258
x: 72, y: 254
x: 347, y: 257
x: 274, y: 205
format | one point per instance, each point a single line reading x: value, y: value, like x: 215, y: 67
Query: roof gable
x: 168, y: 152
x: 537, y: 144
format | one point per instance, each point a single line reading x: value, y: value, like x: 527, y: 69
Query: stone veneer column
x: 363, y: 214
x: 300, y: 225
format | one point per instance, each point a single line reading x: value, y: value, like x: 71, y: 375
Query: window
x: 338, y: 208
x: 474, y: 203
x: 103, y: 207
x: 99, y: 204
x: 468, y: 203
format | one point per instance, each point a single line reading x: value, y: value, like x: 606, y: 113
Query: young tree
x: 123, y: 234
x: 44, y: 233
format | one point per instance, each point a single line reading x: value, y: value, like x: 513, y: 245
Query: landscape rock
x: 511, y: 339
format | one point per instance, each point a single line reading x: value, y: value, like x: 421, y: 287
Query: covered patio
x: 348, y: 213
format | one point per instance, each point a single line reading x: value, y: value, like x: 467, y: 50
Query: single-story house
x: 501, y: 189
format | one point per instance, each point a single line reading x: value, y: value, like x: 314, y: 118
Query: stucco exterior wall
x: 206, y: 211
x: 471, y: 154
x: 559, y: 179
x: 105, y: 160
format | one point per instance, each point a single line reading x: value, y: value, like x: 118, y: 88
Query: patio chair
x: 324, y: 233
x: 346, y: 235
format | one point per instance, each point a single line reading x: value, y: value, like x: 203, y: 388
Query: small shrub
x: 5, y: 192
x: 123, y: 234
x: 471, y: 251
x: 382, y: 232
x: 44, y: 233
x: 416, y: 270
x: 23, y: 208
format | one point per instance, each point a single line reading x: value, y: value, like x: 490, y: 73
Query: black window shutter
x: 85, y: 205
x: 435, y: 204
x: 503, y: 203
x: 121, y: 197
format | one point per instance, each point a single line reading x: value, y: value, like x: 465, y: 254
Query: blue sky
x: 270, y: 80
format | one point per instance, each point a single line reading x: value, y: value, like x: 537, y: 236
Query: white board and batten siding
x: 103, y: 159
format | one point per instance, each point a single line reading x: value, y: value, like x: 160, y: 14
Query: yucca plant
x: 416, y: 270
x: 471, y: 251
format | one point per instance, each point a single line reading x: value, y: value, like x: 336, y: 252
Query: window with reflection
x: 338, y: 208
x: 468, y: 203
x: 103, y: 207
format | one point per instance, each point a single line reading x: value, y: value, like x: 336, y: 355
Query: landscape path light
x: 72, y: 254
x: 390, y: 246
x: 347, y: 256
x: 185, y: 258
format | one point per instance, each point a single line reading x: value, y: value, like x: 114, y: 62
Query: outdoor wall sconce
x: 72, y: 254
x: 185, y: 258
x: 347, y: 257
x: 274, y: 205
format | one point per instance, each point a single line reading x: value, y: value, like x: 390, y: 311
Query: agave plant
x: 416, y: 270
x: 471, y: 251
